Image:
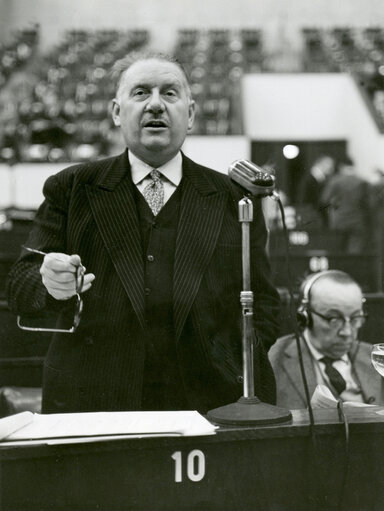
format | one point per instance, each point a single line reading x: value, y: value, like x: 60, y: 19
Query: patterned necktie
x: 154, y: 192
x: 337, y: 381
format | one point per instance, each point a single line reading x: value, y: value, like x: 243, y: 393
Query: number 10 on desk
x: 191, y: 466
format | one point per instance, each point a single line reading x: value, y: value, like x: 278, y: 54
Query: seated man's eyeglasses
x: 338, y: 321
x: 77, y: 314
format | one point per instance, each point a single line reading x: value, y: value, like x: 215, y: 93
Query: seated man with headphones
x: 330, y: 315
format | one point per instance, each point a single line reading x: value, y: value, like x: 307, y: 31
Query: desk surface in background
x: 245, y: 469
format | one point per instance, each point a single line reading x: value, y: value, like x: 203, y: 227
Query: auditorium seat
x: 365, y: 269
x: 70, y: 85
x: 359, y: 51
x: 304, y: 240
x: 318, y: 249
x: 67, y: 95
x: 215, y: 61
x: 17, y: 51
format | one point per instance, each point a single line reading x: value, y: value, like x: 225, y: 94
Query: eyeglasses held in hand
x: 78, y: 308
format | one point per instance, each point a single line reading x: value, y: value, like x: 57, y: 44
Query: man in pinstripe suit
x: 161, y: 323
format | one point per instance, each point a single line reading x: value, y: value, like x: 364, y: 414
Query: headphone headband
x: 307, y: 286
x: 303, y: 316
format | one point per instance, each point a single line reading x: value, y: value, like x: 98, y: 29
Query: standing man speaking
x: 159, y: 236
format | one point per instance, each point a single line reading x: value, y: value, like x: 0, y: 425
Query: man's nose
x: 155, y: 102
x: 346, y: 329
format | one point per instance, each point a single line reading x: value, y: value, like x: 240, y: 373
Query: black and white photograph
x: 191, y: 255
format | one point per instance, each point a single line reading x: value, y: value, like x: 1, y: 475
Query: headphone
x: 303, y: 315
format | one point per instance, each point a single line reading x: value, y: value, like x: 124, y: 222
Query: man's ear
x: 116, y: 112
x: 191, y: 113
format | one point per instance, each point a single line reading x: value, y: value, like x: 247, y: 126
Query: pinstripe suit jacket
x: 89, y: 209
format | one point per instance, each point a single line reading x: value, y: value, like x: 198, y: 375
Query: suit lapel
x: 292, y: 368
x: 201, y: 215
x: 370, y: 381
x: 113, y: 205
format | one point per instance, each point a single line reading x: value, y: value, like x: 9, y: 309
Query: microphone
x: 254, y: 179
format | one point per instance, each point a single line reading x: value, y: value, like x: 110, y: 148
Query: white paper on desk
x: 14, y: 423
x: 75, y: 425
x: 323, y: 398
x: 81, y: 439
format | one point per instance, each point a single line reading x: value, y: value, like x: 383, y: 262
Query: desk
x: 248, y: 469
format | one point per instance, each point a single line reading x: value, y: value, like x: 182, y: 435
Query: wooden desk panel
x: 252, y: 469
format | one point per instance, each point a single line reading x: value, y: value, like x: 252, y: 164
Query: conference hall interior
x: 290, y: 86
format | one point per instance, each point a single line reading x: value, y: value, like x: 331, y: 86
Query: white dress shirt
x: 352, y: 391
x: 171, y: 174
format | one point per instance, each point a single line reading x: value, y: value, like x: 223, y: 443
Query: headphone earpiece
x: 303, y: 316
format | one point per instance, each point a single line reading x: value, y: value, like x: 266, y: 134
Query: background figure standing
x: 309, y: 204
x: 347, y: 198
x: 376, y: 206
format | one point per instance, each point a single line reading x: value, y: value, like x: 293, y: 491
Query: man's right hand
x: 59, y: 275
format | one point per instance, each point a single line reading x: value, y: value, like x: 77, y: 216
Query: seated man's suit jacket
x: 90, y: 210
x: 289, y: 382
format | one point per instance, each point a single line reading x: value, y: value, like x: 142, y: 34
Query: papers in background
x: 68, y: 427
x: 323, y: 398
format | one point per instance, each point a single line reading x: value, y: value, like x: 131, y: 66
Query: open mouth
x: 155, y: 124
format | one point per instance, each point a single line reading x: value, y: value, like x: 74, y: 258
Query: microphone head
x: 253, y: 178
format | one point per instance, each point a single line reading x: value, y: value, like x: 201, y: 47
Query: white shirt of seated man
x: 336, y: 310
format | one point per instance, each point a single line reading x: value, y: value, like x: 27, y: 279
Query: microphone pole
x: 249, y: 410
x: 246, y: 298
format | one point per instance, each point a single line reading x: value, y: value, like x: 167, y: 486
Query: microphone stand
x: 248, y: 410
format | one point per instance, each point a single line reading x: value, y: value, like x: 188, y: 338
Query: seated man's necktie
x: 154, y: 192
x: 337, y: 381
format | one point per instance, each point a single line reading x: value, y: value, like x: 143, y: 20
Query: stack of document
x: 323, y: 398
x: 27, y: 427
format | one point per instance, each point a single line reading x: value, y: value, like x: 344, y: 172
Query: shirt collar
x: 172, y: 170
x: 316, y: 353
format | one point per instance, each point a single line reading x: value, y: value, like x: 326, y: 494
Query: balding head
x: 335, y: 298
x: 121, y: 66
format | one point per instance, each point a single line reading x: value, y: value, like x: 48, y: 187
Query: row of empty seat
x: 358, y: 51
x: 17, y: 51
x: 61, y: 111
x: 58, y: 108
x: 215, y: 61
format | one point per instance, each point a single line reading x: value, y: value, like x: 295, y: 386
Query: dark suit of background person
x: 347, y: 196
x: 161, y: 325
x: 284, y: 354
x: 309, y: 204
x: 376, y: 210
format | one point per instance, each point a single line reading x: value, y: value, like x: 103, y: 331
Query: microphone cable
x: 318, y: 480
x: 292, y: 307
x: 298, y: 335
x: 343, y: 419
